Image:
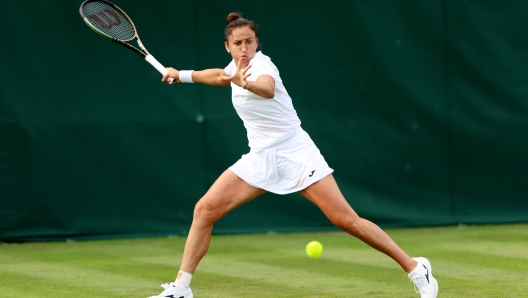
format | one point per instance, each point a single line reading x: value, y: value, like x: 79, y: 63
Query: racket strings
x: 108, y: 20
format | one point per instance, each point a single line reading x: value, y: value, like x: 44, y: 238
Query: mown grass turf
x: 468, y: 261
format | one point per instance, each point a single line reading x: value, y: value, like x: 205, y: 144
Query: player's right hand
x: 173, y: 74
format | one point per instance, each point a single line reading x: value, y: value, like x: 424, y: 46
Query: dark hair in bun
x: 235, y: 20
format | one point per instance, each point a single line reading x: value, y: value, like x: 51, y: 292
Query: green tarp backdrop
x: 420, y: 107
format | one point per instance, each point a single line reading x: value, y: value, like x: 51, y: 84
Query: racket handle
x: 150, y: 59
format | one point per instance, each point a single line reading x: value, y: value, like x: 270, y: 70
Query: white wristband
x: 186, y: 76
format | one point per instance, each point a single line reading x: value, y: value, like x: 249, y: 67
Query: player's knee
x: 349, y: 224
x: 205, y: 212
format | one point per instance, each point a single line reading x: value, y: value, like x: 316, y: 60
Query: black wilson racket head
x: 113, y: 23
x: 108, y: 20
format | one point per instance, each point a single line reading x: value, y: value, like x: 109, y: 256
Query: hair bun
x: 233, y: 16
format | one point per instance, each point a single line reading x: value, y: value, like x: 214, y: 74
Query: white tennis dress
x: 283, y: 158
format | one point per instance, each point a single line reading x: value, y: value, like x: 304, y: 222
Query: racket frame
x: 142, y: 52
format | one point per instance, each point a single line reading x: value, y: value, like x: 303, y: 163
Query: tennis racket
x: 112, y: 23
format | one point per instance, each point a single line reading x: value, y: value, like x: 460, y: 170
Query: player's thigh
x: 227, y: 192
x: 326, y: 194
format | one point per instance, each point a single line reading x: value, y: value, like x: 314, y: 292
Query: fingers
x: 241, y: 73
x: 245, y: 69
x: 246, y: 75
x: 240, y: 63
x: 172, y: 76
x: 243, y: 63
x: 169, y: 80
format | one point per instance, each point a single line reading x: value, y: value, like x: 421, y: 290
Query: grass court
x: 468, y: 261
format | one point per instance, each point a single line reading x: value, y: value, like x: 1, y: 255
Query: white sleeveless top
x: 267, y: 121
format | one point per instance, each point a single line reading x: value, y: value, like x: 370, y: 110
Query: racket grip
x: 150, y: 59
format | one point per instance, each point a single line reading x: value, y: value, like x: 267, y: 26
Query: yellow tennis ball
x: 314, y: 249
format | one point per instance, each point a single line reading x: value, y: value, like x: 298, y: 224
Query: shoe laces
x: 419, y: 284
x: 167, y: 286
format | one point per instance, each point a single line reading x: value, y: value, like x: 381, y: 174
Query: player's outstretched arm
x: 212, y: 76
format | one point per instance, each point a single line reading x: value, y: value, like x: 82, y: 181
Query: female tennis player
x: 282, y: 159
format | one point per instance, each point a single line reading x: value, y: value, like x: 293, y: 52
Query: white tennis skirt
x: 287, y: 167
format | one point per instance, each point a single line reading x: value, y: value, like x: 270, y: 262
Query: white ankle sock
x: 183, y: 279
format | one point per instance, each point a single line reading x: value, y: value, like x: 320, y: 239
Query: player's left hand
x: 241, y: 74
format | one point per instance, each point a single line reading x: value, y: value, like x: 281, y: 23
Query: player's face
x: 242, y: 44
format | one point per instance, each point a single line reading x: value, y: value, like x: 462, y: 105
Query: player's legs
x: 228, y: 192
x: 327, y: 196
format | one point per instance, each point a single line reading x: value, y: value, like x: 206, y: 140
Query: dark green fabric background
x: 419, y: 106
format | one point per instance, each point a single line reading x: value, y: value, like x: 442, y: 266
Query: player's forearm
x: 211, y: 77
x: 262, y: 89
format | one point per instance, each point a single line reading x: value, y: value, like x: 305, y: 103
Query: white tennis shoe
x: 422, y: 277
x: 174, y: 291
